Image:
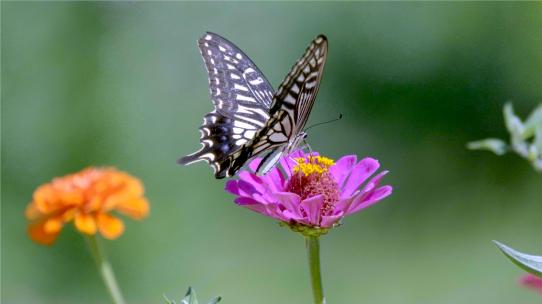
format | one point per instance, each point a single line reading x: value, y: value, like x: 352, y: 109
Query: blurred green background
x: 123, y: 84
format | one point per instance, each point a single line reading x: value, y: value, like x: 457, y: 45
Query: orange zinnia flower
x: 87, y: 197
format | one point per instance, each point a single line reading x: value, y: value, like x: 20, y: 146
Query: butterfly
x: 249, y: 117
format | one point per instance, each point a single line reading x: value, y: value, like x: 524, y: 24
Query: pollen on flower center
x: 312, y: 164
x: 311, y: 177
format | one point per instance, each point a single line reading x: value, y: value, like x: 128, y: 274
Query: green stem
x: 313, y: 253
x: 104, y: 267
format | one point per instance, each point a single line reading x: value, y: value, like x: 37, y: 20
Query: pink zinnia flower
x: 532, y: 281
x: 310, y: 192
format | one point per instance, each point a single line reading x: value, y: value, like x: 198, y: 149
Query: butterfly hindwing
x: 241, y: 97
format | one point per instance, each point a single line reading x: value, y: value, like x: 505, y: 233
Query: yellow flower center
x: 312, y: 164
x: 311, y: 177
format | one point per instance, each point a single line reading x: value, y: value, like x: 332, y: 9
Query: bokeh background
x: 123, y: 84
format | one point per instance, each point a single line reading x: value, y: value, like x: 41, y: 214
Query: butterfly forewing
x: 241, y: 96
x: 297, y: 92
x: 237, y: 87
x: 291, y: 106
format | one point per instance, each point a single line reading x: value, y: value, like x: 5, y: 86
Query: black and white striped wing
x: 298, y: 91
x: 242, y: 99
x: 291, y: 106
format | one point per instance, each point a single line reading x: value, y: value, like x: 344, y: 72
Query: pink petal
x: 329, y: 220
x: 231, y: 187
x: 254, y: 163
x: 246, y: 188
x: 273, y: 210
x: 365, y: 168
x: 532, y: 281
x: 251, y: 204
x: 312, y: 207
x: 343, y: 205
x: 290, y: 201
x: 342, y: 168
x: 365, y: 200
x: 275, y: 179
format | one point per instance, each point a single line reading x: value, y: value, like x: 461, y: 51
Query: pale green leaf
x: 494, y: 145
x: 529, y: 263
x: 215, y: 300
x: 533, y: 122
x: 190, y: 297
x: 513, y: 123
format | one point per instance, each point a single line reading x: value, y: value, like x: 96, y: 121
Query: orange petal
x: 136, y: 208
x: 85, y: 223
x: 31, y: 212
x: 110, y: 226
x: 52, y: 225
x: 38, y: 234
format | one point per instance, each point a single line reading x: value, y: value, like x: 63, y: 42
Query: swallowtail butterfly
x: 249, y: 117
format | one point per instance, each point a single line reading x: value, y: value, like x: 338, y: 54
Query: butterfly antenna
x: 325, y: 122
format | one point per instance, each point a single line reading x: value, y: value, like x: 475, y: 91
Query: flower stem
x: 104, y: 267
x: 313, y: 253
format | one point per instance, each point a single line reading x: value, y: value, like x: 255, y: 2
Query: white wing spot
x: 209, y: 52
x: 306, y: 69
x: 208, y: 37
x: 237, y: 130
x: 240, y: 142
x: 238, y: 56
x: 221, y: 48
x: 310, y: 85
x: 209, y: 156
x: 240, y: 87
x: 289, y: 99
x: 234, y: 76
x: 256, y: 81
x: 250, y: 134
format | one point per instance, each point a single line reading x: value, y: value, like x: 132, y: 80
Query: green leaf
x: 529, y: 263
x: 494, y: 145
x: 190, y: 297
x: 513, y: 123
x: 533, y: 122
x: 538, y: 140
